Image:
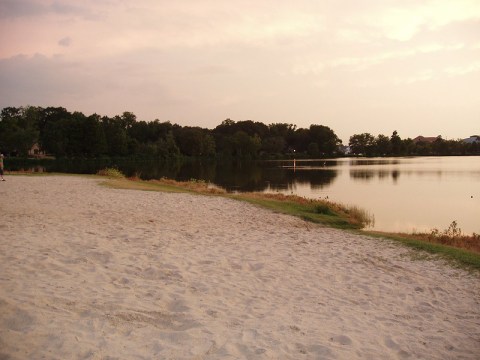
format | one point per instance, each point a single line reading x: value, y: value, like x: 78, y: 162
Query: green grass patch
x: 319, y: 213
x: 111, y: 173
x: 459, y: 256
x: 142, y: 185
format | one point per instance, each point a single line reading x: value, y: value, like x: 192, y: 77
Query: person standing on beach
x: 1, y: 167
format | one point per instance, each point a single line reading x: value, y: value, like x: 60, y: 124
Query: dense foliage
x: 60, y: 133
x: 367, y: 145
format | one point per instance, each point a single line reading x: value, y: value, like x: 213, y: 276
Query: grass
x: 111, y: 173
x: 452, y: 236
x: 462, y: 257
x: 317, y: 211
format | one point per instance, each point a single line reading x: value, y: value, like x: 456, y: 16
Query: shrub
x: 323, y: 209
x: 452, y: 236
x: 111, y: 172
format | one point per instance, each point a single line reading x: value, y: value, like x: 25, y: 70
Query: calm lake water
x: 404, y: 194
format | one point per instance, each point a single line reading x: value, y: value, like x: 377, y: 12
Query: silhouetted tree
x: 396, y: 144
x: 115, y: 135
x: 325, y: 138
x: 382, y: 145
x: 18, y: 130
x: 362, y: 144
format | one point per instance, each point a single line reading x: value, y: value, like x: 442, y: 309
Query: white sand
x: 88, y: 272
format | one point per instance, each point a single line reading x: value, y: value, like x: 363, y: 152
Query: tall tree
x: 18, y: 130
x: 396, y: 144
x: 382, y: 145
x: 115, y: 135
x: 362, y: 144
x: 325, y: 138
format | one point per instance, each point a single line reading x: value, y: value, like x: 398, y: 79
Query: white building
x: 472, y: 139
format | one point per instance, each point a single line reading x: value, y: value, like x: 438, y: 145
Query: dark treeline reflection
x: 239, y: 176
x: 367, y: 175
x: 316, y: 178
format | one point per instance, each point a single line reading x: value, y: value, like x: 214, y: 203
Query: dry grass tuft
x: 452, y: 236
x: 198, y: 186
x: 111, y: 173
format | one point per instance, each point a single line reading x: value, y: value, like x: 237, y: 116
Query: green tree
x: 95, y: 143
x: 396, y: 144
x: 18, y: 129
x: 301, y: 140
x: 362, y: 144
x: 274, y: 145
x: 115, y: 136
x: 167, y: 147
x: 313, y: 149
x: 382, y: 145
x: 195, y: 141
x: 245, y: 146
x: 325, y: 138
x: 55, y: 139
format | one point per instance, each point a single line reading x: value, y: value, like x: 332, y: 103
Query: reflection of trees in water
x: 230, y: 175
x: 317, y: 179
x: 368, y: 175
x: 262, y: 176
x: 361, y: 162
x: 362, y: 174
x: 240, y: 176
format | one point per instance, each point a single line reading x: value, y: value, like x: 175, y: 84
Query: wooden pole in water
x: 294, y: 161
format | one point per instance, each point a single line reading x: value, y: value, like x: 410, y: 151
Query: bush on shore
x: 111, y: 172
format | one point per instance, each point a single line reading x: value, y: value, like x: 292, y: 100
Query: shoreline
x: 90, y: 271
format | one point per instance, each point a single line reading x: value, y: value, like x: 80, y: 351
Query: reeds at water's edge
x: 452, y: 236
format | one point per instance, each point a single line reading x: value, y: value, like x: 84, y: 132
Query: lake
x: 404, y: 194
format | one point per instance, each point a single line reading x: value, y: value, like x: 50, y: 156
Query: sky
x: 356, y: 66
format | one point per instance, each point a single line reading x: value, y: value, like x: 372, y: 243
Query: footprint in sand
x: 256, y: 267
x: 249, y: 335
x: 19, y: 320
x: 341, y: 339
x: 394, y: 346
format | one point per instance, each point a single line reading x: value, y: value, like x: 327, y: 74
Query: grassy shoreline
x: 317, y: 211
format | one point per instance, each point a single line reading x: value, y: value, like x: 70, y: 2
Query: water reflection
x: 368, y: 175
x: 233, y: 176
x: 317, y: 179
x: 370, y: 162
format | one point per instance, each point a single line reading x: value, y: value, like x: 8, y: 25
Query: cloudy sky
x: 356, y: 66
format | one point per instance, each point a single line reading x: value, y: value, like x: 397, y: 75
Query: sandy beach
x: 89, y: 272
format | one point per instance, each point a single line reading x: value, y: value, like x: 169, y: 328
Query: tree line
x: 368, y: 145
x: 61, y: 133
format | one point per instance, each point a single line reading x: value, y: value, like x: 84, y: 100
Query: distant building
x: 344, y: 149
x: 35, y: 151
x: 425, y: 139
x: 472, y: 139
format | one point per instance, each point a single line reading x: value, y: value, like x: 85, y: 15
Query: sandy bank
x: 88, y: 272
